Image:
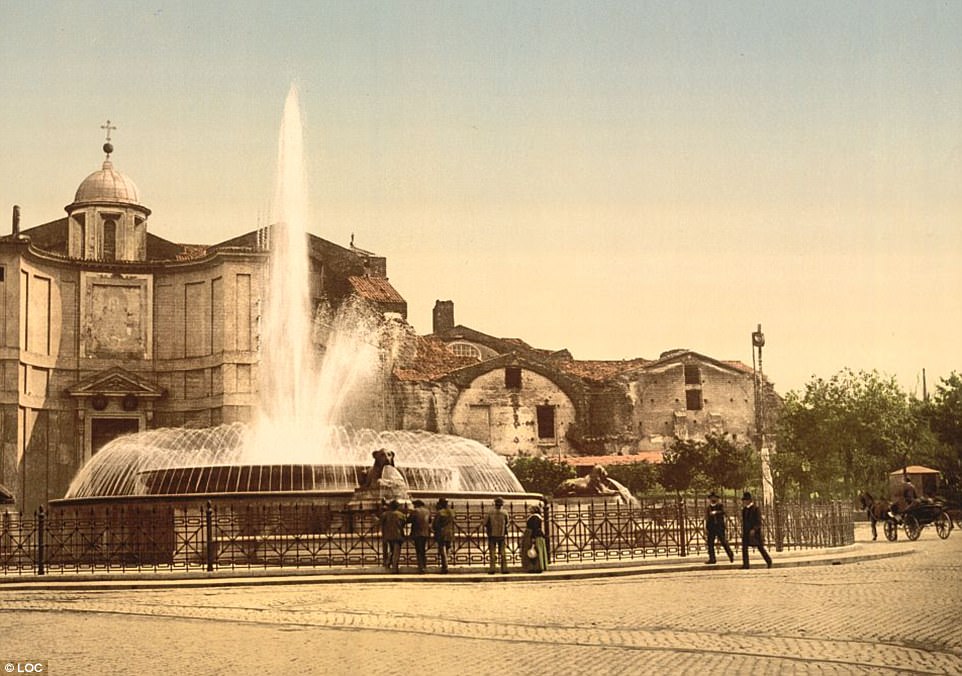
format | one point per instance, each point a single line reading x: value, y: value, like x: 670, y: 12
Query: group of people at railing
x: 419, y: 524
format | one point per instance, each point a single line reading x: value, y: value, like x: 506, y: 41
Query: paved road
x: 892, y: 615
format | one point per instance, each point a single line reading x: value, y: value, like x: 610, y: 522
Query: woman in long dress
x: 534, y: 537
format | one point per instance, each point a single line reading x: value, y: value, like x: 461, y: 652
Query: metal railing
x: 156, y: 538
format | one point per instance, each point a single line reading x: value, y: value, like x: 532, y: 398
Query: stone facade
x: 626, y: 407
x: 109, y: 329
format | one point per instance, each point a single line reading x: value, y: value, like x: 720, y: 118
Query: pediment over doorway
x: 115, y: 382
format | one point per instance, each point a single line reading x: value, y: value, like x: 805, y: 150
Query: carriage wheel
x: 912, y: 527
x: 891, y: 530
x: 943, y: 525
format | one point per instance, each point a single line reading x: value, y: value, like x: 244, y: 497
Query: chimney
x: 16, y: 220
x: 443, y: 316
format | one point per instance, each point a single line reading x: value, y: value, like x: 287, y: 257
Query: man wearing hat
x: 420, y: 518
x: 752, y: 530
x: 443, y: 531
x: 496, y: 526
x: 392, y: 532
x: 715, y: 526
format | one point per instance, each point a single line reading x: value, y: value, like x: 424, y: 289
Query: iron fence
x: 246, y: 537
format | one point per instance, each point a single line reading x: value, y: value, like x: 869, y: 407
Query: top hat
x: 746, y: 496
x: 713, y: 494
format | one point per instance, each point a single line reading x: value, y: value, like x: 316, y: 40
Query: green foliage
x: 540, y: 475
x: 844, y: 435
x: 944, y: 416
x: 713, y: 463
x: 637, y: 477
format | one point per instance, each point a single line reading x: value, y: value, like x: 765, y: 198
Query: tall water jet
x: 287, y: 402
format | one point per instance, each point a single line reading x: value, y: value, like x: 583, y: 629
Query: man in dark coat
x: 392, y: 532
x: 496, y: 527
x: 443, y: 525
x: 752, y: 530
x: 715, y: 526
x: 420, y: 519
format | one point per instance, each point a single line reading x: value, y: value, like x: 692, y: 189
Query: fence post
x: 547, y: 528
x: 779, y: 526
x: 209, y: 528
x: 682, y: 530
x: 41, y: 526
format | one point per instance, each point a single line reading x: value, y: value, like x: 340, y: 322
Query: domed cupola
x: 107, y: 185
x: 106, y: 220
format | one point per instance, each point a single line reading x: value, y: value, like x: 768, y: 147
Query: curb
x: 133, y: 581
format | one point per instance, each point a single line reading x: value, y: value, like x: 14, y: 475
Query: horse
x: 876, y: 510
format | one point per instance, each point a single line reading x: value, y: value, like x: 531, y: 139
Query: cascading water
x: 316, y: 372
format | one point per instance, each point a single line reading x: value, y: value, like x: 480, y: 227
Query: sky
x: 617, y: 179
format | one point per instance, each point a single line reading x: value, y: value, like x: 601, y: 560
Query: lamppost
x: 768, y: 487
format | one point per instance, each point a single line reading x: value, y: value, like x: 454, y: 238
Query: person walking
x: 496, y: 527
x: 752, y: 530
x: 715, y: 526
x: 443, y: 526
x: 392, y: 533
x: 420, y: 519
x: 534, y: 547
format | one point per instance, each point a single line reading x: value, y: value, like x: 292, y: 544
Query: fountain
x: 302, y: 448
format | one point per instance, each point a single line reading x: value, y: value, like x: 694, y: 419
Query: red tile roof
x: 592, y: 460
x: 377, y: 289
x: 432, y: 359
x: 599, y: 370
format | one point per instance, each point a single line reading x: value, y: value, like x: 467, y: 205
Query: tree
x: 680, y: 463
x: 844, y: 435
x: 637, y: 477
x: 731, y: 466
x: 540, y: 475
x: 944, y: 417
x: 714, y: 463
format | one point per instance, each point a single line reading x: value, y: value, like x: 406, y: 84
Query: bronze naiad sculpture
x: 596, y: 484
x: 383, y: 478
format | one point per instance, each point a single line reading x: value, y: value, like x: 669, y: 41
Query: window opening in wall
x: 693, y: 400
x: 110, y: 240
x: 2, y: 272
x: 512, y: 377
x: 546, y: 427
x: 104, y: 430
x: 692, y: 374
x: 465, y: 350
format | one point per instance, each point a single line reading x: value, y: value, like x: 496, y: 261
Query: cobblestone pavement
x: 891, y: 615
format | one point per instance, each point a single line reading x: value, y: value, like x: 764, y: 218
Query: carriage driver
x: 908, y: 499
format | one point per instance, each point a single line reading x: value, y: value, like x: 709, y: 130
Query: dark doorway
x: 104, y: 430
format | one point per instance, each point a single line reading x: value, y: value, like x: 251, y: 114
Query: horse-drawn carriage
x: 923, y: 513
x: 912, y: 519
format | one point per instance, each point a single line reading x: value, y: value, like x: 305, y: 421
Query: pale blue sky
x: 615, y: 178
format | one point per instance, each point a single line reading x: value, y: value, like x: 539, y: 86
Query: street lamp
x: 768, y: 488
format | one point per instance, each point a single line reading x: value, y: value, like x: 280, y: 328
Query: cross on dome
x: 109, y: 127
x: 108, y: 146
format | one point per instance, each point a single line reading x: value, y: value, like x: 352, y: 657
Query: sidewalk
x: 860, y: 551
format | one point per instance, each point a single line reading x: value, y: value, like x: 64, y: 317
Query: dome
x: 107, y: 185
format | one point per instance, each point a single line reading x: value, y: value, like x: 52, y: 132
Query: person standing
x: 443, y: 525
x: 420, y: 519
x: 533, y: 542
x: 496, y: 526
x: 752, y: 530
x: 392, y: 533
x: 715, y: 526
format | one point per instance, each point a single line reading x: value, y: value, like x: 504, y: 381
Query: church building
x: 108, y: 328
